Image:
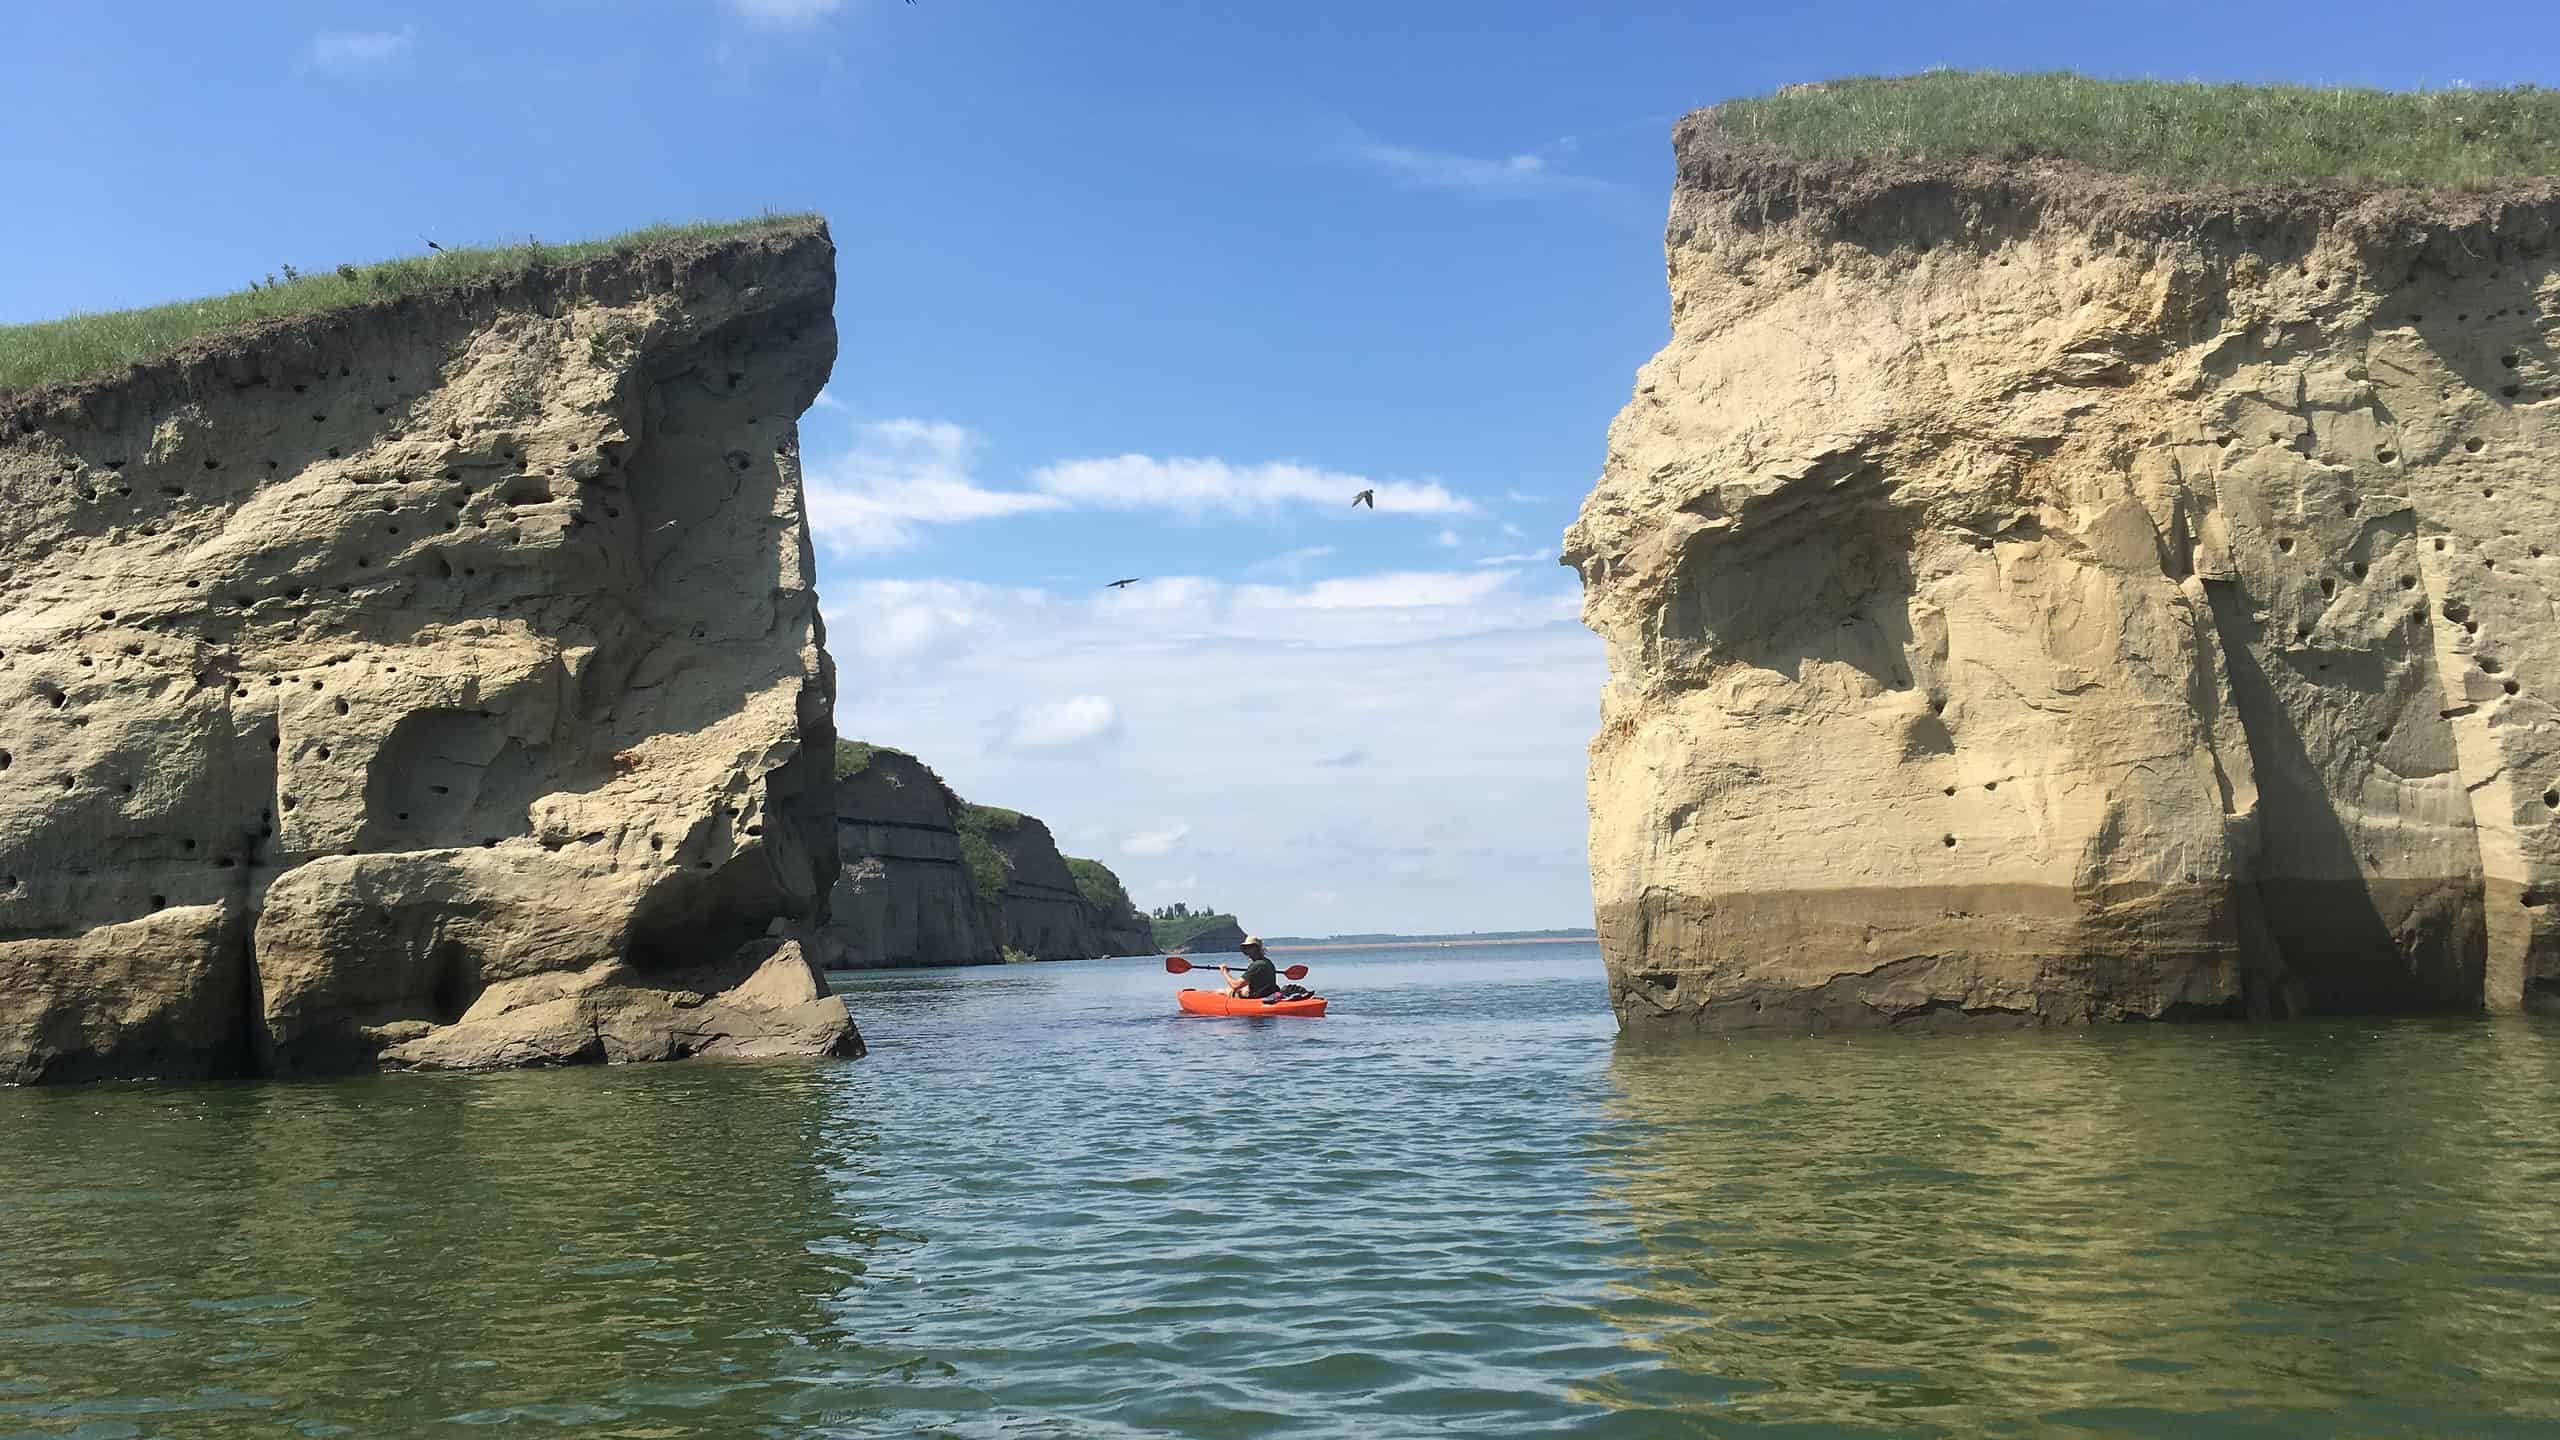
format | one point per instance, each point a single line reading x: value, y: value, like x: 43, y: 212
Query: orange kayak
x: 1219, y: 1002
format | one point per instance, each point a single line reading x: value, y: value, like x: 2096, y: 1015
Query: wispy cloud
x: 826, y: 400
x: 1448, y: 540
x: 1063, y: 724
x: 902, y: 475
x: 1522, y: 173
x: 1525, y: 557
x: 1288, y: 564
x: 1523, y: 497
x: 344, y: 50
x: 1195, y: 485
x: 1154, y: 844
x: 1345, y: 760
x: 784, y: 12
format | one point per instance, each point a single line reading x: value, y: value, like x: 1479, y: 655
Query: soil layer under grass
x: 84, y: 346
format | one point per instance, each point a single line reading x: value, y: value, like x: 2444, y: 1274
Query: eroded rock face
x: 416, y: 684
x: 2030, y: 599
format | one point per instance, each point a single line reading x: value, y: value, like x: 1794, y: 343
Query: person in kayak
x: 1261, y: 979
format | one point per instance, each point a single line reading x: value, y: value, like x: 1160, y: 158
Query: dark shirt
x: 1261, y: 978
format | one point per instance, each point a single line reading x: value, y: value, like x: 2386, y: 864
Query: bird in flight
x: 1365, y: 497
x: 433, y: 245
x: 1121, y: 584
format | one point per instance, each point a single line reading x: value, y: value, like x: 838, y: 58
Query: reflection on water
x: 2294, y: 1227
x: 1049, y: 1205
x: 391, y: 1251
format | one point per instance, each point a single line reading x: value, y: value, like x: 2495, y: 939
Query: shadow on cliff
x: 2339, y: 950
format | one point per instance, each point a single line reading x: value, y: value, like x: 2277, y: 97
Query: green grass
x: 1179, y: 930
x: 855, y: 756
x: 1100, y: 888
x: 989, y: 871
x: 80, y: 346
x: 2234, y: 135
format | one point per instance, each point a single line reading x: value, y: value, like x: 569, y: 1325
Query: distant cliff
x: 1199, y: 934
x: 926, y: 878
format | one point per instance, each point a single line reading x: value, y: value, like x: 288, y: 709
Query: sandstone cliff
x: 2032, y: 596
x: 926, y: 878
x: 437, y: 681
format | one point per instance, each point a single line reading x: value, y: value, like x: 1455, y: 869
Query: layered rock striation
x: 2031, y: 596
x: 437, y: 682
x: 925, y: 878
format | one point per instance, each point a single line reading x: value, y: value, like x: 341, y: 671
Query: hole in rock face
x: 2488, y: 492
x: 2285, y: 543
x: 2302, y: 630
x: 2551, y: 799
x: 2489, y: 665
x: 159, y: 902
x: 1947, y: 840
x: 2328, y: 587
x: 1990, y: 784
x: 2511, y: 687
x: 2385, y: 456
x: 2357, y: 569
x: 2488, y: 564
x: 2350, y: 504
x: 2535, y: 551
x: 2439, y: 544
x: 2510, y: 391
x: 2507, y: 360
x: 288, y: 801
x: 2382, y: 734
x: 2473, y: 444
x: 2470, y: 627
x: 342, y: 705
x: 322, y: 752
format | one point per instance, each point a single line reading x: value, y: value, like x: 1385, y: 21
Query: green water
x: 1048, y: 1206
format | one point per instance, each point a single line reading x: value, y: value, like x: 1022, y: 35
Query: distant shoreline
x: 1276, y: 946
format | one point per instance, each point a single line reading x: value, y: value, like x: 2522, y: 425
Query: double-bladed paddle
x: 1176, y: 965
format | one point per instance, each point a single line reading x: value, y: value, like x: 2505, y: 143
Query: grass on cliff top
x: 2235, y: 135
x: 77, y: 347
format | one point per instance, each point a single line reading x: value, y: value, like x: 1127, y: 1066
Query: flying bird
x: 1365, y: 497
x: 433, y: 245
x: 1122, y: 584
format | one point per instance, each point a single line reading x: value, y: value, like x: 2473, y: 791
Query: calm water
x: 1047, y: 1205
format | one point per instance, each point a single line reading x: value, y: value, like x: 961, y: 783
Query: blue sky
x: 1126, y: 289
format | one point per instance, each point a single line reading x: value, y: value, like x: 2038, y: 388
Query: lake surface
x: 1048, y: 1205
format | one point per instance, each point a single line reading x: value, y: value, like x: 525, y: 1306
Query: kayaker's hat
x: 1251, y: 942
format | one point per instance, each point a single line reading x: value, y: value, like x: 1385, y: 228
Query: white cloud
x: 1514, y: 531
x: 1345, y: 760
x: 1153, y: 844
x: 1063, y: 724
x: 1470, y: 694
x: 1525, y: 557
x: 1448, y: 540
x: 1195, y: 485
x: 1518, y: 174
x: 1288, y: 564
x: 902, y: 475
x: 1523, y: 497
x: 784, y: 12
x: 355, y: 49
x: 826, y: 400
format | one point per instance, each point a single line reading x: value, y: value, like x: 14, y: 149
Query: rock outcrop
x: 438, y: 681
x: 903, y: 892
x: 2035, y: 597
x: 910, y: 890
x: 1219, y: 939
